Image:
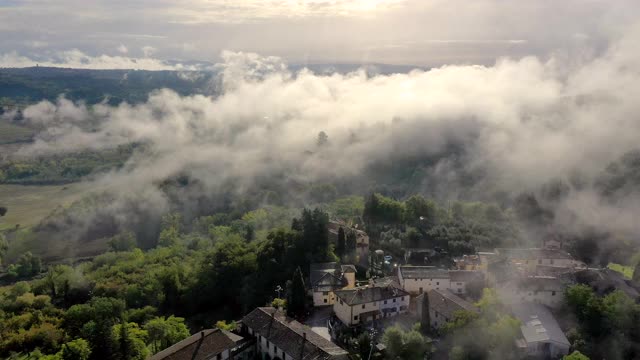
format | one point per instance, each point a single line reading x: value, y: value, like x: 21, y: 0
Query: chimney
x: 304, y: 341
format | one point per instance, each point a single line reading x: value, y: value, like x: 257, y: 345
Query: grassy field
x: 10, y: 133
x: 27, y: 205
x: 627, y: 271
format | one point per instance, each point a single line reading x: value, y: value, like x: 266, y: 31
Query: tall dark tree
x: 3, y: 210
x: 351, y: 242
x: 371, y: 206
x: 124, y: 340
x: 636, y: 274
x: 341, y: 244
x: 297, y: 295
x: 425, y: 320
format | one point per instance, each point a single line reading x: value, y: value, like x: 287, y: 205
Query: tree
x: 351, y: 243
x: 4, y: 246
x: 341, y: 244
x: 576, y: 355
x: 425, y: 320
x: 123, y: 242
x: 130, y: 340
x: 163, y: 332
x: 3, y: 210
x: 414, y: 346
x: 404, y: 345
x: 364, y: 345
x: 323, y: 139
x: 461, y: 318
x: 297, y: 295
x: 279, y: 303
x: 77, y: 349
x: 223, y: 325
x: 392, y: 340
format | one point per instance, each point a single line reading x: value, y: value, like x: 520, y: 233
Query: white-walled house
x: 280, y: 337
x: 546, y: 290
x: 365, y: 304
x: 541, y: 335
x: 325, y: 278
x: 420, y: 279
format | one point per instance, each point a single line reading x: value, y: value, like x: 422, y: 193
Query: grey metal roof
x: 538, y: 324
x: 423, y: 272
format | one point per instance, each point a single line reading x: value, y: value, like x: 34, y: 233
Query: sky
x: 147, y: 33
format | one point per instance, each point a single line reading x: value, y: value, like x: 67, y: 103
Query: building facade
x: 420, y: 279
x: 370, y: 303
x: 325, y: 278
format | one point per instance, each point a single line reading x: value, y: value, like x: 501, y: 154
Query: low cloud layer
x: 523, y: 122
x: 76, y: 59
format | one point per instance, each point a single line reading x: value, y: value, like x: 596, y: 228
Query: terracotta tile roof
x: 446, y: 303
x: 369, y: 294
x: 289, y: 335
x: 214, y: 342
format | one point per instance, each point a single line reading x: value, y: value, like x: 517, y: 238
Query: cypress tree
x: 340, y: 246
x: 297, y: 295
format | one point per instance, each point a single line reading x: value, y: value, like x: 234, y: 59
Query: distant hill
x: 20, y: 86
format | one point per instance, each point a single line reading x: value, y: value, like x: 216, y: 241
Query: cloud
x: 522, y: 122
x: 148, y: 51
x: 78, y: 60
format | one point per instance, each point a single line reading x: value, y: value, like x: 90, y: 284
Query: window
x: 416, y: 280
x: 363, y: 305
x: 551, y: 261
x: 325, y: 293
x: 394, y: 300
x: 385, y: 302
x: 341, y: 303
x: 459, y: 291
x: 459, y: 284
x: 219, y: 357
x: 325, y: 301
x: 436, y: 314
x: 402, y: 298
x: 553, y: 293
x: 438, y: 283
x: 355, y: 318
x: 421, y: 291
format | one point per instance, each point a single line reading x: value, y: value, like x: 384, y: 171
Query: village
x: 376, y: 291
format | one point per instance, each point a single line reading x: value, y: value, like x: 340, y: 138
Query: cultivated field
x: 27, y: 205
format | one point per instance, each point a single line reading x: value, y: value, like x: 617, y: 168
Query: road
x: 318, y: 321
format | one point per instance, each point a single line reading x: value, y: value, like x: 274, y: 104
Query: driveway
x: 318, y: 321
